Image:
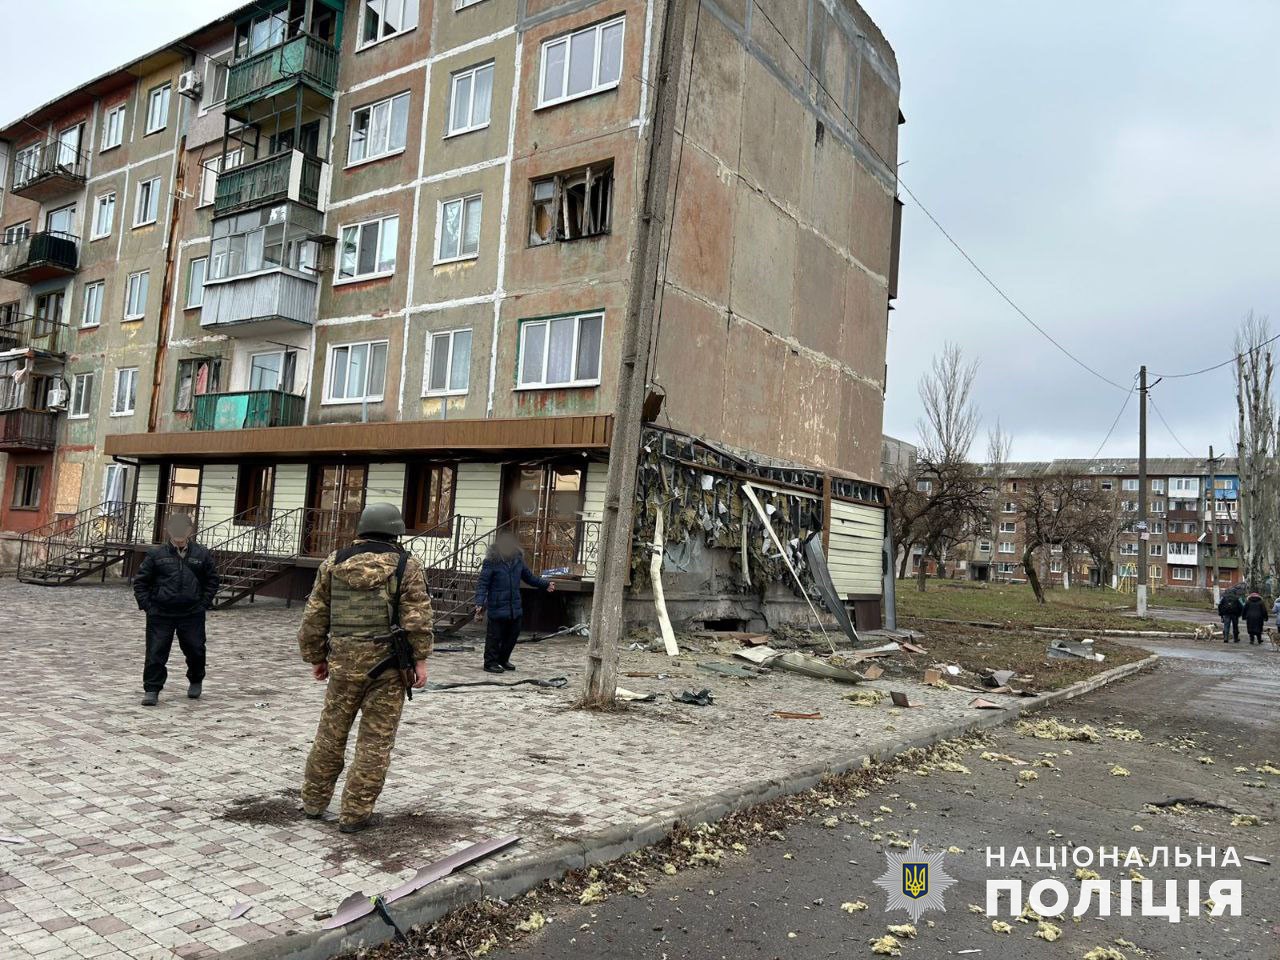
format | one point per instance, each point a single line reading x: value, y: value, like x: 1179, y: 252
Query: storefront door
x: 334, y: 500
x: 543, y: 503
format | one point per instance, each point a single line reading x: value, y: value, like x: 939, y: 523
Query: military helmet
x: 381, y: 518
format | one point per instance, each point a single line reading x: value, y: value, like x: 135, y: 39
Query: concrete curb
x: 511, y: 873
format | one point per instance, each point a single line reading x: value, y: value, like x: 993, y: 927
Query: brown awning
x: 365, y: 439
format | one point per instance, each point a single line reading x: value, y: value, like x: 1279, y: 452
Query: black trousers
x: 499, y: 640
x: 160, y: 632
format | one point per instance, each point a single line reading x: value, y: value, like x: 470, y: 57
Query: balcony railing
x: 259, y: 303
x: 39, y: 256
x: 302, y: 59
x: 51, y: 170
x: 23, y: 430
x: 25, y: 332
x: 282, y: 176
x: 247, y: 410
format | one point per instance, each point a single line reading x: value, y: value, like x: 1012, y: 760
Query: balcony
x: 52, y: 171
x: 38, y: 257
x: 27, y: 431
x: 24, y: 332
x: 302, y: 59
x: 248, y: 410
x: 259, y: 304
x: 274, y: 179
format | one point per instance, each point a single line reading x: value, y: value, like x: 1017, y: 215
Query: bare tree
x: 999, y: 449
x: 950, y: 420
x: 1059, y: 510
x: 1256, y: 449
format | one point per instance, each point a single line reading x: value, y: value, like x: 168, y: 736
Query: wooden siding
x: 479, y: 485
x: 405, y: 436
x: 260, y: 297
x: 857, y: 541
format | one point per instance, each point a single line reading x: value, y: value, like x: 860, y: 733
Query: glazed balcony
x: 283, y: 176
x: 303, y: 59
x: 27, y: 431
x: 54, y: 170
x: 259, y: 304
x: 248, y: 410
x: 25, y: 332
x: 40, y: 256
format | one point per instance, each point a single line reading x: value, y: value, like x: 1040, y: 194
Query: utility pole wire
x: 1123, y: 407
x: 1170, y: 429
x: 1216, y: 366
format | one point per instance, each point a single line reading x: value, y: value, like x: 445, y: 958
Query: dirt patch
x: 278, y: 810
x: 396, y: 841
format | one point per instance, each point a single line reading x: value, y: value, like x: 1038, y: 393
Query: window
x: 113, y: 127
x: 18, y: 232
x: 125, y: 396
x: 369, y: 249
x: 379, y: 129
x: 255, y: 484
x: 215, y: 82
x: 462, y: 4
x: 1157, y: 486
x: 261, y: 32
x: 26, y: 164
x: 1182, y: 573
x: 81, y: 396
x: 1128, y: 506
x: 273, y: 238
x: 158, y: 109
x: 27, y: 479
x: 386, y: 18
x: 1006, y: 546
x: 1009, y: 507
x: 135, y: 295
x: 924, y: 486
x: 581, y: 63
x: 48, y: 314
x: 1157, y: 526
x: 470, y: 99
x: 357, y: 371
x: 1157, y: 506
x: 196, y: 377
x: 115, y: 484
x: 561, y: 352
x: 1006, y: 568
x: 104, y: 216
x: 1008, y: 526
x: 61, y: 220
x: 1156, y: 573
x: 458, y: 229
x: 1184, y: 485
x: 1129, y: 484
x: 195, y: 281
x: 1107, y: 485
x: 147, y: 207
x: 1055, y: 566
x: 448, y: 363
x: 272, y: 371
x: 573, y: 205
x: 1182, y: 549
x: 1128, y: 549
x: 428, y: 496
x: 91, y: 315
x: 69, y: 141
x: 1155, y: 549
x: 209, y: 171
x: 984, y: 546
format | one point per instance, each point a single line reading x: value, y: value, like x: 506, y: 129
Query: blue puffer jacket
x: 498, y: 589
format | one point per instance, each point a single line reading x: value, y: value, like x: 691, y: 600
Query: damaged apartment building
x: 319, y: 253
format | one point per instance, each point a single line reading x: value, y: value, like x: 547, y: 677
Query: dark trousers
x: 499, y: 640
x: 1231, y: 627
x: 160, y: 631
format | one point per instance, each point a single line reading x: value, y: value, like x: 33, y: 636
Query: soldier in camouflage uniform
x: 344, y: 635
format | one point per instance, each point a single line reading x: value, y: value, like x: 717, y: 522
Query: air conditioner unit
x: 57, y: 397
x: 190, y: 85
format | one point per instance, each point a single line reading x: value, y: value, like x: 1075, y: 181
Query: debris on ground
x: 790, y: 715
x: 594, y: 893
x: 1047, y: 931
x: 1124, y: 733
x: 1082, y: 650
x: 810, y: 666
x: 695, y: 698
x: 239, y: 910
x: 866, y: 698
x: 1027, y: 776
x: 887, y: 946
x: 981, y: 703
x: 1105, y: 953
x: 1084, y: 873
x: 1118, y: 771
x: 905, y: 930
x: 853, y: 906
x: 1051, y: 729
x: 729, y: 670
x: 1246, y: 820
x: 999, y: 926
x: 900, y: 699
x: 533, y: 923
x: 630, y: 696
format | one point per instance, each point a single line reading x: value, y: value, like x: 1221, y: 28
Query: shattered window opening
x: 572, y: 205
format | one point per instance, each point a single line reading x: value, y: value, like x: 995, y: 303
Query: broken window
x: 570, y: 206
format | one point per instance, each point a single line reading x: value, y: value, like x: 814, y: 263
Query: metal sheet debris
x: 790, y: 715
x: 1064, y: 649
x: 655, y: 576
x: 982, y: 703
x: 900, y: 699
x: 630, y: 696
x: 239, y: 910
x: 809, y: 666
x: 757, y: 655
x: 910, y: 647
x: 873, y: 672
x: 695, y: 698
x: 729, y: 670
x: 817, y: 561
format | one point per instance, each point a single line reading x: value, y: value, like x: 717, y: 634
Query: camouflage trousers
x: 379, y: 703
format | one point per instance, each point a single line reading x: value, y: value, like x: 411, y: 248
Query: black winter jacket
x: 1255, y: 615
x: 168, y: 585
x: 498, y: 588
x: 1229, y: 605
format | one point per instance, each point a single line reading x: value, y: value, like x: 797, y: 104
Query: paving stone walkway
x: 142, y: 828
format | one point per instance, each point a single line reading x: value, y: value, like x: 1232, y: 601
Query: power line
x: 1152, y: 401
x: 1124, y: 406
x: 1217, y: 366
x: 934, y: 220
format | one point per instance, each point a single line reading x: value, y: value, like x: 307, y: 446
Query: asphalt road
x: 782, y: 898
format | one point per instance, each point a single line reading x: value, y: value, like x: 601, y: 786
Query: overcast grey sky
x: 1114, y: 166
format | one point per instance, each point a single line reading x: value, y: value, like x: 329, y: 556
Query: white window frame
x: 1108, y: 485
x: 1008, y: 526
x: 567, y: 40
x: 366, y: 397
x: 463, y: 4
x: 211, y: 65
x: 465, y: 203
x: 100, y: 288
x: 141, y: 279
x: 78, y: 399
x: 1187, y: 574
x: 405, y: 5
x: 163, y: 93
x: 391, y: 151
x: 545, y: 323
x: 924, y: 486
x: 984, y: 546
x: 100, y: 202
x: 210, y: 171
x: 153, y: 200
x: 1006, y: 547
x: 1155, y: 549
x: 431, y: 346
x: 284, y: 363
x: 1009, y: 507
x: 110, y: 127
x: 17, y: 232
x: 454, y: 79
x: 1129, y: 485
x: 192, y: 287
x: 116, y: 410
x: 338, y: 278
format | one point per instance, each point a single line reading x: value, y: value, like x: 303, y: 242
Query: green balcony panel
x: 302, y: 59
x: 247, y: 410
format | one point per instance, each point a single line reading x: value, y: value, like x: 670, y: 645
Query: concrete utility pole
x: 1144, y: 539
x: 614, y: 565
x: 1213, y: 522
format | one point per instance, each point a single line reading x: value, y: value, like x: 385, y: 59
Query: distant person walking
x: 1255, y: 618
x: 498, y: 595
x: 1229, y: 609
x: 174, y: 586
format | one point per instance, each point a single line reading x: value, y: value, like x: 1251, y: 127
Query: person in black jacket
x: 1229, y: 610
x: 498, y: 593
x: 174, y: 586
x: 1255, y: 616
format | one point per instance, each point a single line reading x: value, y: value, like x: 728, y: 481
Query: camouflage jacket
x: 367, y: 565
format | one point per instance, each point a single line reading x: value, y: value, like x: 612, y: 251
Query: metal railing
x: 292, y: 175
x: 50, y: 249
x: 247, y: 410
x: 24, y: 429
x: 23, y: 331
x: 303, y: 58
x: 51, y: 159
x: 440, y: 545
x: 109, y: 524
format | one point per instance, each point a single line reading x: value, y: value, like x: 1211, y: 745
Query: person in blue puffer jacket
x: 498, y: 595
